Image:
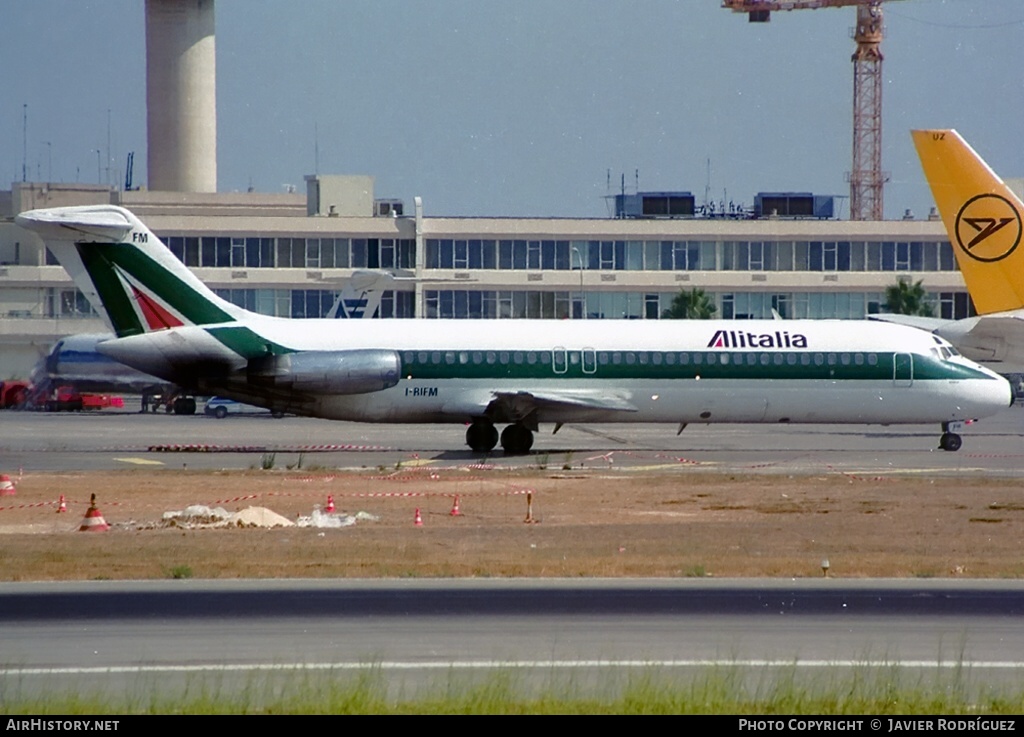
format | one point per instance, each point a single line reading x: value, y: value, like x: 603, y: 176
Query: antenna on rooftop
x: 707, y: 184
x: 24, y: 142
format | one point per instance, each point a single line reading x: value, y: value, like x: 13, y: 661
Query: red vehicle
x: 13, y: 393
x: 68, y: 400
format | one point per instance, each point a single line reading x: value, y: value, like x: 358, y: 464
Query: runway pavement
x: 114, y: 635
x: 111, y: 440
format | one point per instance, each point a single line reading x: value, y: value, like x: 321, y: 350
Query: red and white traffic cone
x: 62, y: 505
x: 455, y: 508
x: 330, y: 504
x: 93, y: 521
x: 6, y: 485
x: 418, y: 520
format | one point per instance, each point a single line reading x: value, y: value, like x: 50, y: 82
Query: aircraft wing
x: 996, y: 337
x: 567, y: 405
x: 931, y: 324
x: 1007, y: 326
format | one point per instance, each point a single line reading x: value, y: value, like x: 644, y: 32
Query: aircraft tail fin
x: 128, y: 275
x: 982, y: 216
x: 361, y: 295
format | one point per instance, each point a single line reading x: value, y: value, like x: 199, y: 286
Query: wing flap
x: 588, y: 400
x: 534, y: 406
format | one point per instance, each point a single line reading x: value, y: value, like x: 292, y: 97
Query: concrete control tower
x: 181, y: 99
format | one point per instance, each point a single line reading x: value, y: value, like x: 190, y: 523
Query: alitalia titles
x: 740, y: 339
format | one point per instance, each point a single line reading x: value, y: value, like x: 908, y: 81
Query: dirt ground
x: 678, y: 523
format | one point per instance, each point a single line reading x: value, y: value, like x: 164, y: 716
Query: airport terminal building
x: 288, y: 255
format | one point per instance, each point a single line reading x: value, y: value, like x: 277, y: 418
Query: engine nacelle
x: 329, y: 372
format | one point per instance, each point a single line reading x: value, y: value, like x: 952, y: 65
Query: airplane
x: 520, y: 373
x: 75, y: 361
x: 362, y: 294
x: 983, y: 218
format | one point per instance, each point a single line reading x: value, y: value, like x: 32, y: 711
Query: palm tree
x: 691, y: 305
x: 904, y: 298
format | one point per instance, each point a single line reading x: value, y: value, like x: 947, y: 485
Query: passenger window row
x: 641, y: 358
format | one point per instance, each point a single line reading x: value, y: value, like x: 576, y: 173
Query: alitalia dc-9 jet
x: 513, y: 373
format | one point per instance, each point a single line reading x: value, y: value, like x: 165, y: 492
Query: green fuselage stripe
x: 247, y: 343
x: 655, y: 366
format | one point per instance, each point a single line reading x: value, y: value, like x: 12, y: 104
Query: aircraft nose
x: 987, y: 396
x: 1000, y: 394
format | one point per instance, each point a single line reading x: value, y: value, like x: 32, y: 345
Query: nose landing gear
x: 950, y: 440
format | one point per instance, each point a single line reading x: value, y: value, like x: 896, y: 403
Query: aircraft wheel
x: 481, y: 437
x: 516, y: 440
x: 950, y: 441
x: 189, y: 406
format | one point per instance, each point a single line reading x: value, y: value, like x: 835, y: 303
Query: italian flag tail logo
x: 143, y: 294
x: 155, y: 315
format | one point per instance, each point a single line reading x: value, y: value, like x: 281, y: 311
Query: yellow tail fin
x: 982, y: 216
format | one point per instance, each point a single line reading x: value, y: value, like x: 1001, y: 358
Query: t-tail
x: 128, y: 275
x: 361, y: 295
x: 982, y: 216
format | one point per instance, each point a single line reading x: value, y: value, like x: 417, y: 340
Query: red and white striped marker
x: 93, y: 520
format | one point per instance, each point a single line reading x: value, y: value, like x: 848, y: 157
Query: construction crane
x: 866, y: 176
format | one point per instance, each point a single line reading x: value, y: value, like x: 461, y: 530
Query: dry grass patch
x: 677, y: 524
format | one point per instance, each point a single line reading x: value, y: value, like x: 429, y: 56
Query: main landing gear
x: 950, y: 440
x: 482, y: 436
x: 516, y: 439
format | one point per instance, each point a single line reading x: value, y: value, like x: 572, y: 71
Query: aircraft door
x: 589, y: 361
x: 559, y: 360
x: 902, y: 369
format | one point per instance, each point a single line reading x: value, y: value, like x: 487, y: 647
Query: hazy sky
x: 492, y: 107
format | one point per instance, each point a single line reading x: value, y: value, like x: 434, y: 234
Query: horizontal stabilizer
x: 78, y: 223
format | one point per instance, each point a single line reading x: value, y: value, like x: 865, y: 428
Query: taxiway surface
x: 110, y: 440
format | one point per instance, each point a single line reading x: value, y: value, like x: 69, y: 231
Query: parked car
x: 221, y: 407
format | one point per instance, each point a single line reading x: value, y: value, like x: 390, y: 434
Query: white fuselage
x: 619, y: 371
